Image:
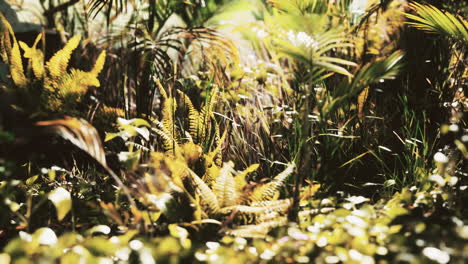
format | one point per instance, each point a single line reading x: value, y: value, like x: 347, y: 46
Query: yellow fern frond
x: 161, y: 89
x: 240, y: 178
x: 211, y: 173
x: 169, y: 106
x: 77, y: 82
x: 268, y: 191
x: 13, y: 54
x: 225, y: 186
x: 193, y: 114
x: 205, y: 117
x: 215, y: 156
x: 57, y: 65
x: 99, y: 65
x: 16, y: 66
x: 35, y: 56
x: 207, y: 196
x: 169, y: 142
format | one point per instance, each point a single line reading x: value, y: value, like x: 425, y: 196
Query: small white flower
x: 436, y: 255
x: 441, y: 157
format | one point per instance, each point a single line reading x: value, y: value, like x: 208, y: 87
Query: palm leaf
x: 84, y: 136
x: 431, y: 19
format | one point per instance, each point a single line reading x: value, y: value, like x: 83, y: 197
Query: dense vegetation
x: 279, y: 131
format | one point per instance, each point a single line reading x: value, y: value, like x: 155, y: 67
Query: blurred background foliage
x: 295, y: 131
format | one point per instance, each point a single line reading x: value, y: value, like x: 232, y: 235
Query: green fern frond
x: 58, y: 64
x: 225, y: 186
x: 268, y: 191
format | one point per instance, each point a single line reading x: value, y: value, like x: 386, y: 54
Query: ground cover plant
x: 215, y: 131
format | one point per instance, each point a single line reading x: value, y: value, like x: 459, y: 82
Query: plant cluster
x: 292, y: 131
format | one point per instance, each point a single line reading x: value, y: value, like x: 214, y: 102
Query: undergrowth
x: 309, y: 131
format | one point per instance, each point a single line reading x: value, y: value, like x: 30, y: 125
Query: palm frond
x: 301, y: 6
x: 80, y: 133
x: 431, y: 19
x: 84, y: 136
x: 380, y: 70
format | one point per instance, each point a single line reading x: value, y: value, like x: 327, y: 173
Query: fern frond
x: 274, y: 206
x: 225, y: 186
x: 161, y: 90
x: 240, y: 178
x: 205, y: 117
x: 307, y: 214
x: 169, y: 142
x: 193, y: 114
x: 13, y: 53
x: 169, y: 106
x: 35, y: 56
x: 208, y: 197
x: 99, y: 64
x: 268, y: 191
x: 258, y: 230
x: 211, y: 173
x: 58, y: 64
x: 77, y: 82
x: 215, y: 156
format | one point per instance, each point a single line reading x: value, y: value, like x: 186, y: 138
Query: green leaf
x: 61, y: 199
x: 431, y: 19
x: 99, y: 229
x: 45, y: 236
x: 32, y: 179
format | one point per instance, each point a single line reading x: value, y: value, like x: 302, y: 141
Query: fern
x: 12, y: 54
x: 268, y: 191
x: 193, y: 114
x: 205, y: 116
x: 57, y: 65
x: 224, y: 187
x: 208, y: 196
x: 168, y: 109
x: 169, y: 142
x: 240, y: 178
x: 35, y: 56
